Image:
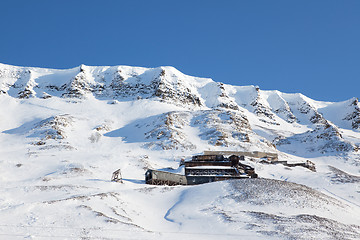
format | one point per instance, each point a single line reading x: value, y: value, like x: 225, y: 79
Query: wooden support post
x: 116, y: 176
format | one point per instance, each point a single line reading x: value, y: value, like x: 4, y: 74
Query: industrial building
x: 203, y: 169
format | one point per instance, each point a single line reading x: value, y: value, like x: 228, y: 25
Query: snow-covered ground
x: 63, y: 133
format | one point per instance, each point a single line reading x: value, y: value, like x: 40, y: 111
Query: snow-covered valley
x: 64, y: 132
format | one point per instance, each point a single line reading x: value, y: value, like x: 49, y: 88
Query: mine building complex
x: 214, y: 166
x: 206, y: 168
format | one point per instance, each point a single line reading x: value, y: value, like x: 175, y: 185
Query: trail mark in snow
x: 339, y: 197
x: 181, y: 199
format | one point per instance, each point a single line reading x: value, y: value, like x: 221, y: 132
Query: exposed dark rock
x: 289, y: 116
x: 339, y: 176
x: 168, y: 133
x: 354, y: 117
x: 324, y: 138
x: 78, y: 87
x: 26, y: 93
x: 222, y: 128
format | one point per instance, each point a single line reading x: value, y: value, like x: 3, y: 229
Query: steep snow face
x: 304, y: 109
x: 216, y: 95
x: 279, y: 105
x: 251, y: 98
x: 344, y: 114
x: 63, y: 133
x: 323, y: 139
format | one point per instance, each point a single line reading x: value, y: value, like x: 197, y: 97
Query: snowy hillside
x: 63, y: 133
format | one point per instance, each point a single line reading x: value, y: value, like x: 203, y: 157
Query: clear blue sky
x: 307, y: 46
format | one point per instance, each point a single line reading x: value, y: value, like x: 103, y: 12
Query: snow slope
x: 63, y: 133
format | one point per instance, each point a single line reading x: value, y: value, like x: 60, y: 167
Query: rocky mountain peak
x: 217, y: 105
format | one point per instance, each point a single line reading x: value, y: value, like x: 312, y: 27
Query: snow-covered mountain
x: 63, y: 133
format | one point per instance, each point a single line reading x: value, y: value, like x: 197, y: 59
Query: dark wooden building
x: 203, y: 169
